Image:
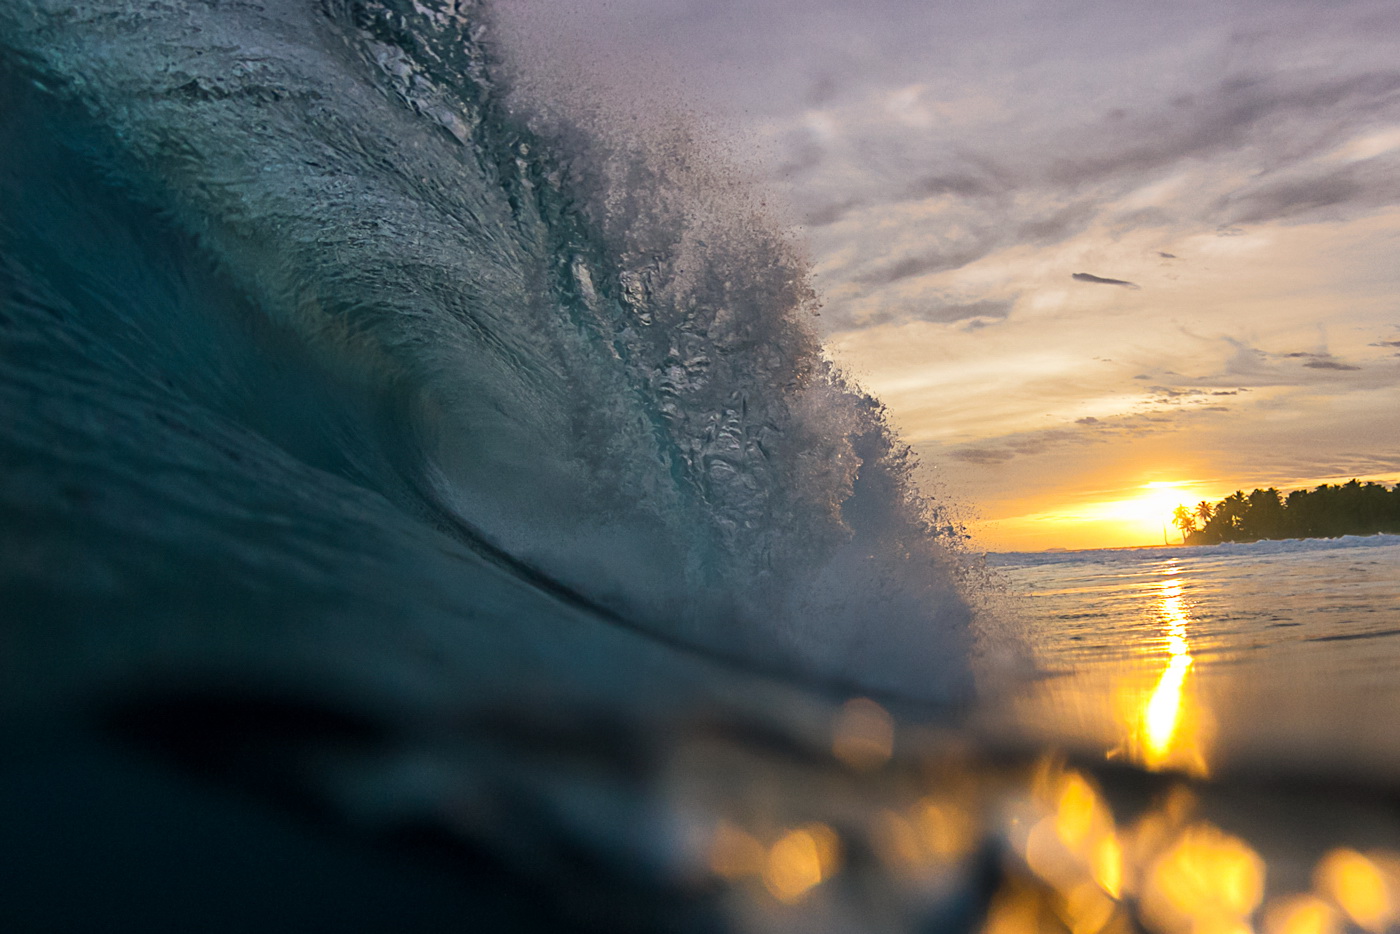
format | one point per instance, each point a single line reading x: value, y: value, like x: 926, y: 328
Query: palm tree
x: 1183, y: 520
x: 1203, y: 512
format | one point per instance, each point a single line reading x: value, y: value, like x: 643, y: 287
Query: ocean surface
x: 1270, y: 654
x: 426, y: 506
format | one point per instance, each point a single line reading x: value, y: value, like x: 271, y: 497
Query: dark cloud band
x: 1101, y: 280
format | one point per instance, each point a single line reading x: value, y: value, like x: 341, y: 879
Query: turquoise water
x: 317, y: 251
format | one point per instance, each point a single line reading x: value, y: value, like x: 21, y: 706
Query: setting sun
x: 1140, y: 514
x: 1151, y: 508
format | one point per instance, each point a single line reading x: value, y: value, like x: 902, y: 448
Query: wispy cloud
x: 1101, y: 280
x: 1088, y: 430
x: 1319, y: 361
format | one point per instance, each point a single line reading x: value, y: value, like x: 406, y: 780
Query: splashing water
x: 579, y: 354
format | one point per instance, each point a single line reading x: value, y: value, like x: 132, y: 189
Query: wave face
x: 294, y: 304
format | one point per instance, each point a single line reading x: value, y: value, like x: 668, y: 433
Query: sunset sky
x: 1077, y: 248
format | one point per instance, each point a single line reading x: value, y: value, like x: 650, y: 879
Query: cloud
x: 911, y: 266
x: 1087, y: 430
x: 918, y: 306
x: 1319, y: 361
x: 1251, y: 366
x: 1100, y: 280
x: 976, y: 455
x: 1296, y: 196
x: 962, y: 184
x: 896, y: 101
x: 1173, y: 402
x: 894, y: 204
x: 1058, y: 224
x: 1250, y: 148
x: 826, y: 214
x: 823, y: 89
x: 983, y: 311
x: 1271, y: 115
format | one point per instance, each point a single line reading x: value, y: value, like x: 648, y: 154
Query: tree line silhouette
x: 1329, y: 511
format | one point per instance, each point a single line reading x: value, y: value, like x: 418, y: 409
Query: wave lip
x: 565, y: 351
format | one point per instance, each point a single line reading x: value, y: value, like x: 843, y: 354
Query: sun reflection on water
x: 1149, y: 856
x: 1165, y: 732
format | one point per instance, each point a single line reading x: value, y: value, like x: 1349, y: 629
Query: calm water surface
x: 1276, y: 654
x: 1258, y: 683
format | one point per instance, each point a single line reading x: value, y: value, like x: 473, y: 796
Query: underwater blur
x: 421, y: 510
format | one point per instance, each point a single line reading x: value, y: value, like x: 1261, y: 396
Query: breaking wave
x: 295, y: 300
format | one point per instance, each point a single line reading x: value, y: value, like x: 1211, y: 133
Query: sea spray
x: 793, y: 503
x: 572, y: 350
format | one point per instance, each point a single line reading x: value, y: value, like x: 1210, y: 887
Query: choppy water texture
x: 422, y: 508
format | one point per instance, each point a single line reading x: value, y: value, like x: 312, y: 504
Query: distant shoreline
x: 1178, y: 546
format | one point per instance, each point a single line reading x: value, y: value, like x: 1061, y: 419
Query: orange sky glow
x: 1127, y: 517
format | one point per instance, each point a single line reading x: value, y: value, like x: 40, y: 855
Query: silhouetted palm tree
x: 1184, y: 521
x: 1325, y: 512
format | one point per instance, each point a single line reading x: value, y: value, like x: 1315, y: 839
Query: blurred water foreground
x: 1112, y: 796
x: 238, y: 816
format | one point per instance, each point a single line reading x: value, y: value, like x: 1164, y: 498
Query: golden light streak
x: 1164, y: 736
x: 1162, y: 716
